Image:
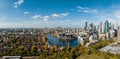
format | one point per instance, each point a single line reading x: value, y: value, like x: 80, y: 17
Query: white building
x: 81, y: 40
x: 91, y: 38
x: 116, y: 25
x: 112, y: 33
x: 11, y: 57
x: 107, y: 35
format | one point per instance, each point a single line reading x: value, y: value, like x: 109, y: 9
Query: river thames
x: 55, y: 41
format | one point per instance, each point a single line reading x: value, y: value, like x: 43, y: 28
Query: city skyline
x: 54, y: 13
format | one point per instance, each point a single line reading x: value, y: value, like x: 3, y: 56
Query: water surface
x: 55, y: 41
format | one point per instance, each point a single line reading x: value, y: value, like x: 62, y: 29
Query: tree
x: 33, y: 50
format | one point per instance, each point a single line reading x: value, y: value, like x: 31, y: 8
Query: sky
x: 54, y: 13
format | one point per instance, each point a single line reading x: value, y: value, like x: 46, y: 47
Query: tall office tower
x: 106, y: 28
x: 94, y: 28
x: 91, y: 27
x: 110, y: 25
x: 101, y: 27
x: 23, y: 29
x: 86, y: 25
x: 98, y: 29
x: 108, y: 35
x: 116, y: 25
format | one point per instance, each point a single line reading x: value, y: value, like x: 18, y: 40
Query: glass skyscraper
x: 106, y: 26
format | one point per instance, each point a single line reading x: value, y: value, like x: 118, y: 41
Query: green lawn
x: 89, y: 57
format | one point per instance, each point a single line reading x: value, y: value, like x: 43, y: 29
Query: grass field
x: 89, y: 57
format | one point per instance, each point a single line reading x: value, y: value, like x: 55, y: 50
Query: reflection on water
x: 55, y: 41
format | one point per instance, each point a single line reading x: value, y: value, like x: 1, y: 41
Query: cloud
x: 15, y: 6
x: 45, y: 18
x: 64, y: 14
x: 56, y: 15
x: 26, y: 12
x: 36, y: 16
x: 60, y: 15
x: 19, y: 2
x: 79, y: 7
x: 86, y: 10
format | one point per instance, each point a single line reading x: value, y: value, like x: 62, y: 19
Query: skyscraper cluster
x: 105, y: 30
x: 89, y: 27
x: 107, y: 26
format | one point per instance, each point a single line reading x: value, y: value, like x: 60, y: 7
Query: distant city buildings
x: 108, y: 29
x: 104, y: 31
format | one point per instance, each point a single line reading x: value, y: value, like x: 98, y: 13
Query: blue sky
x: 54, y: 13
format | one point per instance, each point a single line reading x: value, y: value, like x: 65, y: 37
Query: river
x: 55, y: 41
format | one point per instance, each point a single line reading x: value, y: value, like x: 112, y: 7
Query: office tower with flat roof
x: 106, y: 26
x: 116, y: 25
x: 86, y: 24
x: 101, y: 27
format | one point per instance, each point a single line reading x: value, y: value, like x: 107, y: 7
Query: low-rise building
x: 12, y: 57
